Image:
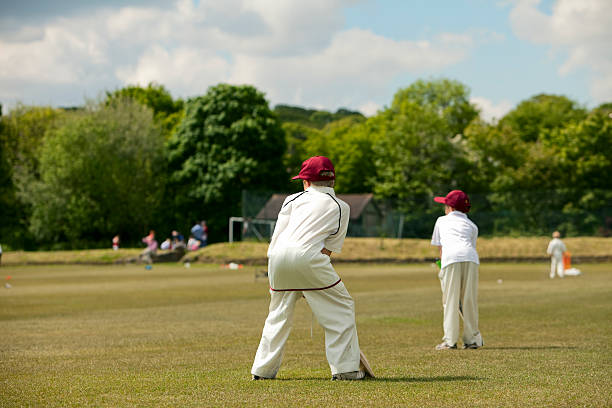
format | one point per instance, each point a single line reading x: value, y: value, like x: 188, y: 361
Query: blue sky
x: 325, y: 54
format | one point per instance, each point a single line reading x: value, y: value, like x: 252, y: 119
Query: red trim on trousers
x: 303, y: 290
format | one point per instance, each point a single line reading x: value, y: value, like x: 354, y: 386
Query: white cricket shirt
x: 457, y: 235
x: 556, y: 248
x: 307, y: 222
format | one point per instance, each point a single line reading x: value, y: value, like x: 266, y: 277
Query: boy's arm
x: 334, y: 243
x: 281, y: 223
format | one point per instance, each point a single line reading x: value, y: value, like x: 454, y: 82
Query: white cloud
x: 185, y: 70
x: 356, y: 63
x: 581, y: 29
x: 60, y: 54
x: 296, y: 52
x: 490, y: 111
x: 369, y: 108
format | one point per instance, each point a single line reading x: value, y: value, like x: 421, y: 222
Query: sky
x: 323, y: 54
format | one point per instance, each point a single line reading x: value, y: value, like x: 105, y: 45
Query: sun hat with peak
x: 313, y: 167
x: 456, y: 199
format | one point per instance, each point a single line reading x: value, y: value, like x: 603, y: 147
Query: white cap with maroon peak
x: 313, y: 168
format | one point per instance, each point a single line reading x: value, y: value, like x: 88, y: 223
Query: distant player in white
x: 456, y: 236
x: 310, y: 226
x: 555, y: 250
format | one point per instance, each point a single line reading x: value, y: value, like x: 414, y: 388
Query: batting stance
x: 456, y: 236
x: 311, y: 225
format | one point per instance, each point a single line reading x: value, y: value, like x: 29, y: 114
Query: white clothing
x: 555, y: 249
x: 556, y: 265
x: 459, y: 282
x: 457, y: 235
x: 333, y: 308
x: 308, y: 222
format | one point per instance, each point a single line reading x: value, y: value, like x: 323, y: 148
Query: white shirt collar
x: 458, y: 213
x: 321, y: 189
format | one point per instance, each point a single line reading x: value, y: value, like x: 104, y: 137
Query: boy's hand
x: 326, y: 251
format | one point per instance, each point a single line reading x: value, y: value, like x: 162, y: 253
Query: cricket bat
x: 364, y: 365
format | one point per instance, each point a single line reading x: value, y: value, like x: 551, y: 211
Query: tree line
x: 138, y: 159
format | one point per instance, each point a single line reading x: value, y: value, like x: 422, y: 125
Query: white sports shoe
x: 350, y: 376
x: 446, y: 346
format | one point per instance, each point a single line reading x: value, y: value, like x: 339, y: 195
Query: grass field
x: 174, y: 336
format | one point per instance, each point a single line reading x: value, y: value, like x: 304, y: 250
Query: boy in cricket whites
x: 456, y: 236
x: 311, y: 225
x: 555, y: 250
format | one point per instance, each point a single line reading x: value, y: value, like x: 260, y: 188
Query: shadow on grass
x: 444, y: 378
x: 441, y: 378
x: 530, y: 348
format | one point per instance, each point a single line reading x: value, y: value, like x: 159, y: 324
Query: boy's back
x: 457, y: 235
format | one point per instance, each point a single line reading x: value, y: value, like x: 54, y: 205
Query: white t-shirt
x: 556, y: 248
x: 457, y: 235
x: 307, y: 222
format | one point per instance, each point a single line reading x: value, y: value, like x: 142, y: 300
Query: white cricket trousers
x: 556, y: 265
x: 459, y: 283
x: 333, y: 308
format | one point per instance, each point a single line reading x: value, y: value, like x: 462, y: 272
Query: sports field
x: 174, y: 336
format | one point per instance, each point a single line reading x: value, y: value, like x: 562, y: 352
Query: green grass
x: 75, y: 335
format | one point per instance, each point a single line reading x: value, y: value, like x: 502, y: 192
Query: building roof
x: 357, y: 202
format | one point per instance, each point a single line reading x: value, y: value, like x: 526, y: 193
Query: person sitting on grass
x: 151, y: 249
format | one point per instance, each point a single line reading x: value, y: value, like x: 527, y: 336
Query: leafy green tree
x: 229, y: 140
x: 447, y: 98
x: 420, y: 150
x: 296, y: 136
x: 313, y: 118
x: 529, y: 162
x: 21, y: 135
x: 167, y: 111
x: 414, y: 158
x: 101, y: 174
x: 584, y: 154
x: 542, y: 113
x: 349, y: 144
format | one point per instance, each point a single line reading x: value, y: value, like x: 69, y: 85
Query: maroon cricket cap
x: 312, y: 168
x: 456, y: 199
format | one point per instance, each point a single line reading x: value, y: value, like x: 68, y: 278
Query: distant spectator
x: 193, y: 243
x: 0, y: 254
x: 200, y: 232
x: 151, y: 248
x: 555, y: 250
x: 178, y: 241
x: 167, y: 244
x: 116, y: 242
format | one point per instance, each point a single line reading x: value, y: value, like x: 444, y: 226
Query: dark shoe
x: 472, y: 346
x: 445, y: 346
x: 256, y: 377
x: 350, y: 376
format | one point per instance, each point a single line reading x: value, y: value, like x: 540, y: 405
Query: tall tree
x: 542, y: 113
x: 296, y: 137
x: 446, y: 98
x: 21, y: 135
x: 166, y: 111
x: 229, y: 140
x: 101, y: 174
x: 349, y: 144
